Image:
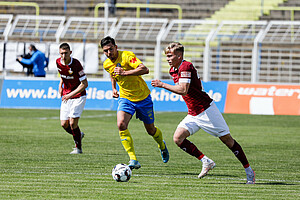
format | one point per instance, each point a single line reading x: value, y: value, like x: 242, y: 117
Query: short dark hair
x: 64, y: 46
x: 107, y: 40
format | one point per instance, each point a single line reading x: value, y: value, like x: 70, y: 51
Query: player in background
x: 73, y: 83
x: 126, y: 70
x: 202, y: 112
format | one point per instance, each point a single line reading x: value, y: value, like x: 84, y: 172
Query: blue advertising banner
x: 44, y: 94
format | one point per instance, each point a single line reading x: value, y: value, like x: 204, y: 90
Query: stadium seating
x: 192, y: 9
x: 284, y: 14
x: 224, y: 48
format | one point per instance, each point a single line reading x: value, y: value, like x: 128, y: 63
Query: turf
x: 36, y: 164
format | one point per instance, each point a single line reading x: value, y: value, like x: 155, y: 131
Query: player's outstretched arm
x: 181, y: 88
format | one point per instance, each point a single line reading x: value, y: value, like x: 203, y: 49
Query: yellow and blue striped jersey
x: 133, y: 88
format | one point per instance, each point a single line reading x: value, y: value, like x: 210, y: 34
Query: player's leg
x: 125, y: 112
x: 144, y: 112
x: 213, y: 123
x: 188, y: 126
x: 76, y: 109
x: 66, y: 125
x: 77, y: 135
x: 64, y: 117
x: 156, y: 134
x: 123, y: 119
x: 237, y: 150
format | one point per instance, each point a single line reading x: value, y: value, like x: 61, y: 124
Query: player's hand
x: 156, y: 83
x: 119, y: 71
x: 65, y: 98
x: 115, y: 94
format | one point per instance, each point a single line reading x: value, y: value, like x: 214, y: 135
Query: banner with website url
x: 44, y: 94
x: 263, y: 99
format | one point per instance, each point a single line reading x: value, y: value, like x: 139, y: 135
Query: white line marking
x: 146, y: 175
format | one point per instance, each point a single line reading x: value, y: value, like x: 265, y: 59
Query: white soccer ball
x: 121, y: 173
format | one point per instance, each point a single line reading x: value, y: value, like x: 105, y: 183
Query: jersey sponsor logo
x: 81, y: 73
x: 67, y: 77
x: 186, y: 74
x: 133, y: 60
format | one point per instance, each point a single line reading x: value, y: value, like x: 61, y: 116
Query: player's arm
x: 181, y: 89
x: 114, y: 87
x: 83, y: 84
x: 140, y: 70
x: 60, y: 87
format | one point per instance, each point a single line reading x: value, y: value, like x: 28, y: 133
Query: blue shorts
x: 143, y: 109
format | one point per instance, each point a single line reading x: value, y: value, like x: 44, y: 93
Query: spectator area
x: 225, y: 48
x: 192, y: 9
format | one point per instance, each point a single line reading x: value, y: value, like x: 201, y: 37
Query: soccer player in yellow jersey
x: 126, y: 70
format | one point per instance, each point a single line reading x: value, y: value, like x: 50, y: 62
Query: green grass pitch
x: 36, y: 164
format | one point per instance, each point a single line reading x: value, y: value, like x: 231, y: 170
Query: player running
x: 202, y: 112
x: 126, y: 70
x: 73, y: 83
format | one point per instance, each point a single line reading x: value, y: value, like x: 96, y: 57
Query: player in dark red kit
x: 72, y: 87
x: 202, y: 112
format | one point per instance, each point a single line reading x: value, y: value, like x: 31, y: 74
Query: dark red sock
x: 191, y: 149
x: 239, y: 153
x: 77, y: 137
x: 69, y: 130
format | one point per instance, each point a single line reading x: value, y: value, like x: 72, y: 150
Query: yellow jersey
x: 133, y: 88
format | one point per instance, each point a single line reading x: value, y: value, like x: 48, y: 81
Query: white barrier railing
x: 239, y: 51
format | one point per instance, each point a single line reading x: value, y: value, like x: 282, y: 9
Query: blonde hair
x: 174, y: 47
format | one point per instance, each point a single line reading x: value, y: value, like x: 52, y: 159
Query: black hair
x: 33, y: 47
x: 107, y: 40
x: 64, y: 46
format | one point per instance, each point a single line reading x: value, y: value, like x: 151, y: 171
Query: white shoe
x: 251, y: 178
x: 76, y: 151
x: 206, y: 166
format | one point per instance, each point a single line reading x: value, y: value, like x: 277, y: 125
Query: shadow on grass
x: 275, y: 183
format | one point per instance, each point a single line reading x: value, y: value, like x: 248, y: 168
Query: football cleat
x: 165, y: 154
x: 76, y: 151
x: 134, y: 164
x: 206, y: 166
x: 251, y: 178
x: 82, y: 135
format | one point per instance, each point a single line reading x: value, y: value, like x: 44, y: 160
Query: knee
x: 64, y: 124
x: 122, y: 126
x: 177, y: 140
x: 227, y: 140
x: 151, y: 130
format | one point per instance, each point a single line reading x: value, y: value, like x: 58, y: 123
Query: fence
x: 236, y: 51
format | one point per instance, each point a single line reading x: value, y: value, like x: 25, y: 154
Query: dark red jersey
x: 71, y: 74
x: 196, y: 99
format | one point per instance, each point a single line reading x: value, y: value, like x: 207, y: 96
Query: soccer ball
x: 121, y: 173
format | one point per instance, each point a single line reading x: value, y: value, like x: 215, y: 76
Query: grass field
x: 36, y: 164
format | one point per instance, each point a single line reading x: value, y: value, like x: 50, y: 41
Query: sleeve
x: 132, y: 60
x: 185, y: 74
x: 30, y: 60
x: 81, y: 73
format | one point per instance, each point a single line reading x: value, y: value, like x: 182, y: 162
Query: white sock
x: 204, y: 159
